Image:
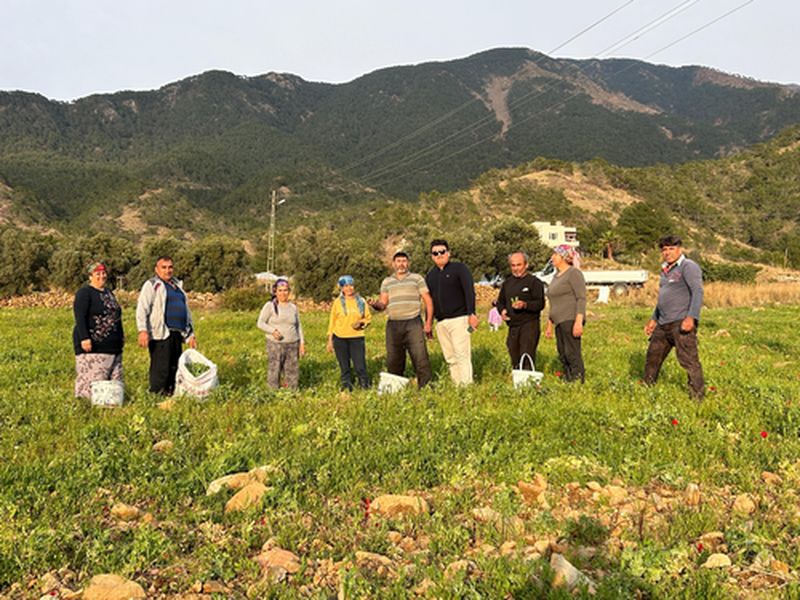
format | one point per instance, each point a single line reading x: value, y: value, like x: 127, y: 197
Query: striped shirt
x: 404, y: 296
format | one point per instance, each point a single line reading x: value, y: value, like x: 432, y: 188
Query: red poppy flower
x: 558, y: 374
x: 699, y: 546
x: 764, y: 434
x: 674, y: 422
x: 365, y: 505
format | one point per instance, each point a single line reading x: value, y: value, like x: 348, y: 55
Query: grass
x: 63, y: 464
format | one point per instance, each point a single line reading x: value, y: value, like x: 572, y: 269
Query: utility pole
x: 271, y: 239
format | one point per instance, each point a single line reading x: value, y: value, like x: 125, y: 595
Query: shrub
x: 729, y: 272
x: 69, y: 261
x: 214, y: 264
x: 24, y: 259
x: 249, y: 298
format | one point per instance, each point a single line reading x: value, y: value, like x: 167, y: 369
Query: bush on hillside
x: 24, y: 259
x: 69, y: 261
x: 249, y: 298
x: 214, y: 264
x: 730, y: 272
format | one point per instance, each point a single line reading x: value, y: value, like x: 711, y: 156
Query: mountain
x: 209, y: 148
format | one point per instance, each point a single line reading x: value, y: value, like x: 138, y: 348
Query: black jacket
x: 527, y: 288
x: 98, y: 317
x: 452, y: 290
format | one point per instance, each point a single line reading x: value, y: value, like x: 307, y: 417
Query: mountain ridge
x: 216, y: 139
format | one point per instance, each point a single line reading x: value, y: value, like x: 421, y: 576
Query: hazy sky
x: 66, y: 49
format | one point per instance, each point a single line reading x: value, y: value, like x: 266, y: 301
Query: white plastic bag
x: 108, y: 393
x: 199, y: 386
x: 389, y: 384
x: 522, y: 377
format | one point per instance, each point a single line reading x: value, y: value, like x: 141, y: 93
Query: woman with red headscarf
x: 97, y: 337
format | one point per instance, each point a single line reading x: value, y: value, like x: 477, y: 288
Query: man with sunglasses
x: 453, y: 292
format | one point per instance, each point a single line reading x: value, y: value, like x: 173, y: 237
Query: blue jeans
x: 351, y: 350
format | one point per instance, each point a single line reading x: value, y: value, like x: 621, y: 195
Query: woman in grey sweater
x: 567, y: 298
x: 280, y: 320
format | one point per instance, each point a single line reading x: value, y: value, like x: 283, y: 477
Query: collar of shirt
x: 666, y: 267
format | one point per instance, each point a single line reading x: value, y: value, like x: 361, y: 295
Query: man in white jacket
x: 164, y: 322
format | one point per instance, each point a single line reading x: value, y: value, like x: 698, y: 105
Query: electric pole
x: 271, y: 239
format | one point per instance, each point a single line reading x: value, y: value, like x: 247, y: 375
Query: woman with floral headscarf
x: 97, y: 337
x: 567, y: 297
x: 280, y: 320
x: 350, y: 315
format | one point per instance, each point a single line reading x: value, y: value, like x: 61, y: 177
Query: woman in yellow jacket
x: 350, y: 316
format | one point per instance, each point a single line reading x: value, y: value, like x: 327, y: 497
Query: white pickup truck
x: 618, y: 281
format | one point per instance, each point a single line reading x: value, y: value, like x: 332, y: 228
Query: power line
x: 458, y: 109
x: 575, y: 94
x: 530, y: 96
x: 589, y: 28
x: 655, y: 23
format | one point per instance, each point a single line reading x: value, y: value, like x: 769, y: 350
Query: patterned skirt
x: 95, y: 367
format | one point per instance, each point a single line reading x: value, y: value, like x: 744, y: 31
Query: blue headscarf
x: 348, y: 280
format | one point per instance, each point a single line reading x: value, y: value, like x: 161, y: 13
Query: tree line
x: 314, y: 257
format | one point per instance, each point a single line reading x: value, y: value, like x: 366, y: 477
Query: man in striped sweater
x: 401, y: 294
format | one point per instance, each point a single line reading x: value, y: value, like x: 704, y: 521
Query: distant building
x: 554, y: 235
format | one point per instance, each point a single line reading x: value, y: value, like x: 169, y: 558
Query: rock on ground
x: 392, y: 505
x: 125, y: 512
x: 113, y: 587
x: 247, y: 497
x: 567, y: 574
x: 717, y: 561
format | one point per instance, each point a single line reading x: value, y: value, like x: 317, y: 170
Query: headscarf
x: 348, y: 280
x: 95, y: 266
x: 275, y: 285
x: 569, y: 254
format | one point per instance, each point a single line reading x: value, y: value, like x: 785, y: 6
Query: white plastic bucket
x: 108, y: 393
x: 390, y: 384
x: 522, y: 377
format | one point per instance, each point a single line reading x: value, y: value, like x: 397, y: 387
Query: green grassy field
x: 63, y: 465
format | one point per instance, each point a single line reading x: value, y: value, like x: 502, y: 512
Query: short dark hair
x: 440, y: 243
x: 164, y: 257
x: 399, y: 254
x: 670, y: 240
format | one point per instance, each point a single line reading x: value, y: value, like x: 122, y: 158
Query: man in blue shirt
x: 164, y: 322
x: 674, y: 320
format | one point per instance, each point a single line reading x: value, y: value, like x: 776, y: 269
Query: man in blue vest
x: 164, y: 322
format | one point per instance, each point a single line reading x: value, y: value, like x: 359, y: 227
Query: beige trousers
x: 457, y: 348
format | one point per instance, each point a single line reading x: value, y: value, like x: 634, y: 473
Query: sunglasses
x: 438, y: 252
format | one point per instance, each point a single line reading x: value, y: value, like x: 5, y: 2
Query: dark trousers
x: 664, y: 338
x: 569, y: 351
x: 351, y: 350
x: 523, y: 339
x: 164, y: 355
x: 407, y: 335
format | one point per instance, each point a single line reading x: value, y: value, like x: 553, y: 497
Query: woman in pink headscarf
x: 97, y: 337
x: 567, y: 297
